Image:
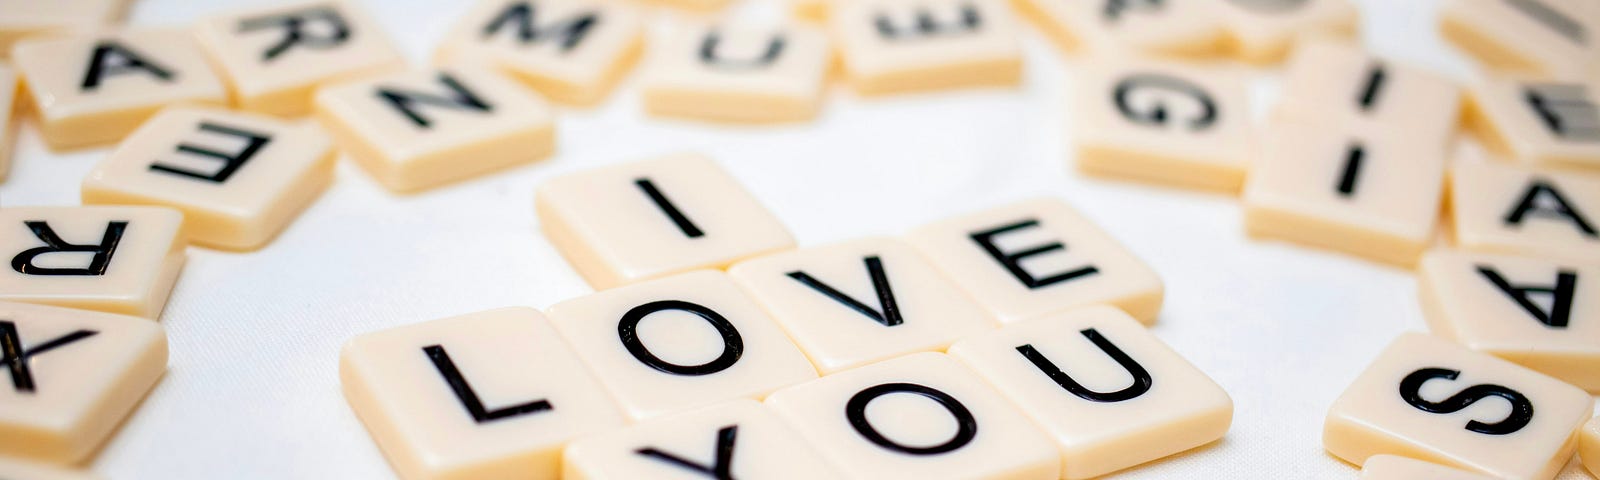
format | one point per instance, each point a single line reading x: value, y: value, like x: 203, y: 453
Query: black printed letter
x: 112, y: 58
x: 1141, y: 377
x: 856, y: 411
x: 1013, y: 261
x: 458, y: 98
x: 732, y: 343
x: 719, y: 469
x: 889, y: 316
x: 1157, y: 114
x: 521, y: 15
x: 15, y: 358
x: 23, y: 262
x: 1560, y: 295
x: 927, y: 26
x: 295, y: 24
x: 231, y: 161
x: 1566, y: 110
x: 708, y: 53
x: 684, y: 225
x: 1521, y: 408
x: 1561, y: 209
x: 468, y: 398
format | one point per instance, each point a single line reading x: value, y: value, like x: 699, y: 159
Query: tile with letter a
x: 861, y: 301
x: 735, y: 439
x: 922, y: 416
x: 680, y: 342
x: 492, y: 394
x: 1127, y: 27
x: 1266, y: 31
x: 738, y: 74
x: 25, y: 18
x: 8, y: 124
x: 275, y: 57
x: 651, y: 218
x: 1108, y: 392
x: 426, y: 128
x: 238, y: 178
x: 90, y: 89
x: 571, y: 51
x: 1545, y: 38
x: 1430, y: 399
x: 1589, y: 446
x: 895, y: 46
x: 114, y: 259
x: 70, y: 377
x: 13, y: 468
x: 1394, y: 467
x: 1038, y: 256
x: 1327, y: 83
x: 1508, y: 209
x: 1548, y: 123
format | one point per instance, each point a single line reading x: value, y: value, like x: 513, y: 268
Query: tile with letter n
x: 1188, y: 28
x: 27, y: 470
x: 114, y: 259
x: 1395, y: 467
x: 1544, y: 38
x: 28, y: 18
x: 1545, y: 122
x: 734, y: 73
x: 8, y: 125
x: 1329, y: 84
x: 896, y: 46
x: 492, y: 394
x: 69, y: 377
x: 734, y: 439
x: 1499, y: 208
x: 1267, y: 31
x: 571, y: 51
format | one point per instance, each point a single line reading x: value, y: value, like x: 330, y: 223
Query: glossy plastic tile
x: 8, y: 125
x: 26, y: 18
x: 1589, y: 446
x: 1549, y: 123
x: 1548, y: 38
x: 738, y: 74
x: 1181, y: 28
x: 571, y: 51
x: 1266, y: 31
x: 1329, y: 84
x: 1507, y: 209
x: 1394, y: 467
x: 26, y: 470
x: 897, y: 46
x: 735, y: 439
x: 114, y: 259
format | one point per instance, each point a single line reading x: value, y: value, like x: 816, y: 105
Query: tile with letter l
x: 1329, y: 84
x: 1548, y: 123
x: 26, y: 470
x: 1266, y: 31
x: 1394, y: 467
x: 571, y: 51
x: 1189, y: 28
x: 1545, y: 38
x: 1498, y: 208
x: 26, y: 18
x: 114, y: 259
x: 734, y: 439
x: 897, y: 46
x: 733, y: 73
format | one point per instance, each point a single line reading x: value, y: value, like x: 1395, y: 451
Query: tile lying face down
x: 734, y: 439
x: 1544, y: 38
x: 896, y: 46
x: 738, y: 73
x: 1549, y: 123
x: 571, y: 51
x: 114, y: 259
x: 1394, y: 467
x: 1498, y: 208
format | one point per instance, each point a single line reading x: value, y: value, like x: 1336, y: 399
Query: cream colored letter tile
x: 24, y: 470
x: 1507, y: 209
x: 94, y: 88
x: 572, y: 51
x: 422, y: 129
x: 1550, y: 123
x: 1265, y: 31
x: 1589, y: 446
x: 115, y: 259
x: 680, y: 342
x: 1394, y: 467
x: 493, y: 394
x: 238, y: 178
x: 738, y: 74
x: 71, y: 376
x: 1430, y: 399
x: 1038, y: 256
x: 1548, y: 38
x: 1328, y: 83
x: 922, y: 416
x: 735, y: 439
x: 24, y: 18
x: 811, y: 10
x: 275, y: 57
x: 1122, y: 27
x: 895, y: 46
x: 8, y: 125
x: 646, y: 219
x: 861, y: 301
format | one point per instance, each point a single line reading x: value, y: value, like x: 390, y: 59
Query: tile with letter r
x: 1545, y: 122
x: 1188, y: 28
x: 897, y: 46
x: 571, y: 51
x: 732, y: 73
x: 1499, y: 208
x: 734, y: 439
x: 26, y: 18
x: 1267, y: 31
x: 1544, y: 38
x: 114, y: 259
x: 1395, y: 467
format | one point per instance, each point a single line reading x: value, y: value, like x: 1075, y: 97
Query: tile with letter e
x: 8, y: 124
x: 26, y: 470
x: 114, y: 259
x: 422, y: 129
x: 680, y: 342
x: 629, y: 222
x: 492, y: 394
x: 1548, y: 123
x: 571, y: 51
x: 921, y: 416
x: 1119, y: 27
x: 275, y: 57
x: 1500, y: 208
x: 1589, y: 446
x: 1430, y: 399
x: 1546, y: 38
x: 861, y: 301
x: 25, y: 18
x: 1328, y: 83
x: 1108, y: 392
x: 1394, y: 467
x: 70, y: 377
x: 1266, y: 31
x: 897, y: 46
x: 1038, y: 256
x: 89, y: 89
x: 738, y: 74
x: 735, y: 439
x: 238, y: 178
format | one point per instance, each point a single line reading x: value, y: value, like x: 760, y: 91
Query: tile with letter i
x: 571, y: 51
x: 275, y: 57
x: 492, y: 394
x: 8, y: 124
x: 89, y: 89
x: 1327, y: 83
x: 1545, y: 38
x: 738, y: 74
x: 1499, y: 208
x: 25, y: 18
x: 1266, y: 31
x: 1589, y: 446
x: 1546, y: 122
x: 1430, y: 399
x: 1187, y: 28
x: 735, y: 439
x: 896, y: 46
x: 114, y: 259
x: 238, y: 178
x: 26, y: 470
x: 1394, y: 467
x: 70, y: 377
x: 422, y: 129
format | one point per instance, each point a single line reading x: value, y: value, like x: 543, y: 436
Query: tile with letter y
x: 735, y: 439
x: 1394, y: 467
x: 492, y: 394
x: 1266, y: 31
x: 571, y: 51
x: 114, y: 259
x: 1189, y: 28
x: 896, y: 46
x: 1499, y: 208
x: 26, y: 18
x: 734, y: 73
x: 1545, y: 38
x: 1546, y: 122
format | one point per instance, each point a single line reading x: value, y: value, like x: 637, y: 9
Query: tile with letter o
x: 8, y: 124
x: 1266, y: 31
x: 26, y: 470
x: 1546, y: 38
x: 1189, y: 28
x: 897, y: 46
x: 114, y: 259
x: 1499, y: 208
x: 1545, y: 122
x: 1329, y: 83
x: 571, y: 51
x: 25, y: 18
x: 1394, y: 467
x: 732, y: 73
x: 734, y: 439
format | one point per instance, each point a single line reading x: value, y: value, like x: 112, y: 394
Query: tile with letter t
x: 1430, y: 399
x: 1500, y: 208
x: 425, y: 128
x: 1266, y: 31
x: 680, y: 342
x: 1108, y: 392
x: 8, y: 124
x: 571, y: 51
x: 1038, y: 256
x: 895, y: 46
x: 1187, y: 28
x: 1546, y: 38
x: 275, y: 57
x: 70, y: 377
x: 1394, y: 467
x: 26, y: 470
x: 89, y: 89
x: 738, y: 74
x: 1329, y: 83
x: 646, y: 219
x: 1589, y: 446
x: 1549, y: 123
x: 114, y: 259
x: 921, y: 416
x: 238, y: 178
x: 861, y: 301
x: 735, y: 439
x: 492, y: 394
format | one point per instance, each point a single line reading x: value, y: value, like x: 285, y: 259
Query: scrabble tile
x: 1499, y: 208
x: 1421, y: 399
x: 275, y: 57
x: 1328, y: 83
x: 861, y: 301
x: 897, y: 46
x: 1180, y: 28
x: 738, y: 74
x: 25, y: 18
x: 26, y: 470
x: 1038, y: 256
x: 810, y: 10
x: 238, y: 178
x: 1550, y: 123
x: 919, y: 416
x: 680, y: 342
x: 94, y: 88
x: 571, y: 51
x: 114, y: 259
x: 1265, y: 31
x: 1393, y: 467
x: 1541, y: 314
x: 1109, y: 393
x: 1163, y: 122
x: 651, y: 218
x: 493, y: 394
x: 1548, y: 38
x: 425, y: 128
x: 72, y: 377
x: 1589, y: 446
x: 734, y: 439
x: 8, y: 127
